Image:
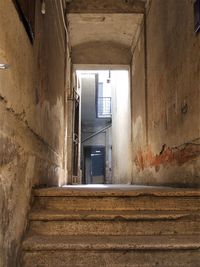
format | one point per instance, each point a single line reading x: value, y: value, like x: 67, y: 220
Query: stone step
x: 111, y: 251
x: 131, y: 258
x: 112, y: 227
x: 116, y: 190
x: 76, y: 203
x: 87, y: 242
x: 123, y: 215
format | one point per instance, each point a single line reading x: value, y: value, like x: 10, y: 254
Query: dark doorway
x: 94, y: 165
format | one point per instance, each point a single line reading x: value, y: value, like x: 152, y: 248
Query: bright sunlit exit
x: 105, y: 125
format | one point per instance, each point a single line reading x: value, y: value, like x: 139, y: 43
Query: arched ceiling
x: 117, y: 28
x: 114, y: 28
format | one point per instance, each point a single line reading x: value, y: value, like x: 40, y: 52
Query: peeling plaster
x: 167, y: 156
x: 137, y: 130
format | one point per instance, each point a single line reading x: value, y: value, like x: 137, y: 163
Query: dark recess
x: 26, y: 11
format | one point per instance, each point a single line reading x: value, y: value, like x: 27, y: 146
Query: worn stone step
x: 130, y: 258
x: 112, y: 227
x: 118, y: 203
x: 111, y: 251
x: 88, y: 242
x: 116, y: 190
x: 59, y: 215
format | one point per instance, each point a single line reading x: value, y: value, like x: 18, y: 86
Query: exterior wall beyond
x: 90, y: 124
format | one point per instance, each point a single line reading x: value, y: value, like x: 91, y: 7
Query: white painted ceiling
x: 116, y: 28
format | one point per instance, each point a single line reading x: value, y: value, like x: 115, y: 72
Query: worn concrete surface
x: 156, y: 226
x: 31, y: 102
x: 62, y: 228
x: 166, y: 110
x: 114, y: 190
x: 121, y: 203
x: 111, y: 243
x: 84, y: 215
x: 133, y: 201
x: 180, y: 258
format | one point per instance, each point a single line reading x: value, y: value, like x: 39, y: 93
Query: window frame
x: 96, y: 100
x: 197, y: 16
x: 27, y: 18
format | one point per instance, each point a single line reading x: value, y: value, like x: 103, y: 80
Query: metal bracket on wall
x: 75, y: 138
x: 4, y: 66
x: 43, y: 7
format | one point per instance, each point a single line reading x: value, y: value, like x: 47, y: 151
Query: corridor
x: 145, y: 212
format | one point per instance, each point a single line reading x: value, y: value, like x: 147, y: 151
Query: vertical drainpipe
x: 65, y: 97
x: 131, y: 93
x: 67, y: 59
x: 147, y: 10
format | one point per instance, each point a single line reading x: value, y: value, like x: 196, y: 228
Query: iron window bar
x: 104, y: 107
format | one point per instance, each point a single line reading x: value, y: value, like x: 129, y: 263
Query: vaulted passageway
x: 42, y: 44
x: 103, y: 39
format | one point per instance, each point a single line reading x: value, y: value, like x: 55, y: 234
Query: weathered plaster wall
x: 138, y: 105
x: 31, y: 116
x: 171, y: 152
x: 121, y: 128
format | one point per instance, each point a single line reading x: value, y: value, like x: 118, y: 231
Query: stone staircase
x: 127, y: 226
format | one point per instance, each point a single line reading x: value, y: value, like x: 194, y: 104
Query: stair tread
x: 87, y: 242
x: 110, y: 215
x: 121, y: 190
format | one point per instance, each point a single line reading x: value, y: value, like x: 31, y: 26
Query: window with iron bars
x: 104, y: 103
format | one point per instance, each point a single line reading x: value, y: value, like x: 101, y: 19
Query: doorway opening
x: 94, y: 165
x: 105, y: 127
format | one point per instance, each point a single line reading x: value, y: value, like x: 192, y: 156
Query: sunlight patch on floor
x: 109, y: 186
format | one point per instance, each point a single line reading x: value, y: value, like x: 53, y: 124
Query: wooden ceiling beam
x: 105, y: 6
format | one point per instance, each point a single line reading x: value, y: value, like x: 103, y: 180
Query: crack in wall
x: 21, y: 117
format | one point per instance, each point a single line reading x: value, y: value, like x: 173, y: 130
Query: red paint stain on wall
x: 176, y: 156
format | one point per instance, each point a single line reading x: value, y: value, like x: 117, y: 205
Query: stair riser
x: 111, y: 259
x: 118, y: 203
x: 114, y: 227
x: 44, y: 215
